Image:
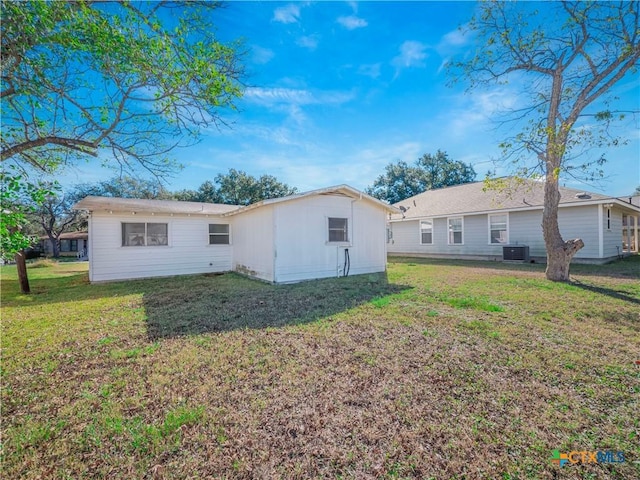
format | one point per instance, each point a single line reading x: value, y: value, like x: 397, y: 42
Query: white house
x: 322, y: 233
x: 469, y: 221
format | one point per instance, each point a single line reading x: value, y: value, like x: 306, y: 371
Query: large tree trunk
x: 55, y: 245
x: 559, y: 252
x: 22, y: 272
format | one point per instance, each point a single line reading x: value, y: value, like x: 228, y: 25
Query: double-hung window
x: 145, y: 234
x: 426, y: 232
x: 219, y: 234
x: 338, y: 229
x: 456, y: 230
x: 498, y: 232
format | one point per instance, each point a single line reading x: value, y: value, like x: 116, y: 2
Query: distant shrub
x: 45, y: 262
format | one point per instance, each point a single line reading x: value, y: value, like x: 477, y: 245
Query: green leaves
x: 82, y: 77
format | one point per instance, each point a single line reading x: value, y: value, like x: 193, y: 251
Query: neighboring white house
x: 323, y: 233
x: 468, y: 221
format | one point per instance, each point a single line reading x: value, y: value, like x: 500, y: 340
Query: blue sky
x: 337, y: 90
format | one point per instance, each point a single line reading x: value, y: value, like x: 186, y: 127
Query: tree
x: 567, y: 60
x: 637, y: 191
x: 237, y: 188
x: 206, y: 193
x: 15, y: 197
x: 55, y: 215
x: 123, y: 187
x: 127, y: 80
x: 124, y: 81
x: 401, y: 181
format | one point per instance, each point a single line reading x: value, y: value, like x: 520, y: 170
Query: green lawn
x: 442, y: 369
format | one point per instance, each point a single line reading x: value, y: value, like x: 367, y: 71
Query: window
x: 389, y: 235
x: 455, y: 230
x: 141, y: 234
x: 498, y: 229
x: 426, y: 232
x: 219, y: 234
x: 338, y: 230
x: 68, y: 245
x: 608, y: 219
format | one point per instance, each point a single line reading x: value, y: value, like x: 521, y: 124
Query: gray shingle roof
x: 157, y: 206
x: 475, y: 198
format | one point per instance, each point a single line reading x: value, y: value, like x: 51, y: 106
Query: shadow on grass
x: 628, y: 267
x: 231, y: 302
x: 617, y: 294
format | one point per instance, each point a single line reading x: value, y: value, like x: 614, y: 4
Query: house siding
x: 524, y: 227
x: 302, y: 250
x: 188, y: 250
x: 253, y: 243
x: 612, y: 237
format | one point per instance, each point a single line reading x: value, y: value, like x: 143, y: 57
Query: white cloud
x: 287, y: 14
x: 293, y: 96
x: 412, y: 54
x: 308, y: 41
x: 261, y: 55
x: 370, y: 70
x: 352, y: 22
x: 456, y: 38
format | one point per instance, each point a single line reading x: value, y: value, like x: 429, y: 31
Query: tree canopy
x: 123, y: 187
x: 401, y: 180
x: 563, y: 63
x: 123, y: 81
x: 237, y: 188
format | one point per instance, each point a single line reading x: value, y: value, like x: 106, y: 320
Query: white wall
x: 613, y: 236
x: 525, y: 228
x: 301, y: 238
x: 188, y: 251
x: 253, y: 243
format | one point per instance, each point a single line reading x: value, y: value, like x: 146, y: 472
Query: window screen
x: 338, y: 230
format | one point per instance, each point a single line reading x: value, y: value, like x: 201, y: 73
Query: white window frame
x: 209, y: 234
x: 146, y: 234
x: 425, y: 220
x: 449, y: 231
x: 506, y: 227
x: 337, y: 242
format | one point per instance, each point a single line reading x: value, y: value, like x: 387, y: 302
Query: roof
x: 195, y: 208
x: 344, y: 190
x: 156, y: 206
x: 474, y: 197
x: 70, y: 236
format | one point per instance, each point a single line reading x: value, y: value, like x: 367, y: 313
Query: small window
x: 141, y: 234
x: 608, y: 219
x: 498, y: 229
x: 219, y: 234
x: 455, y: 231
x: 426, y: 232
x: 338, y: 230
x: 389, y: 235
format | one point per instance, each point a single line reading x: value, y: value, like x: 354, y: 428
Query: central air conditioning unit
x: 516, y: 253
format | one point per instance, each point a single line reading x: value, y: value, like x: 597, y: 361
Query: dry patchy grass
x: 440, y: 370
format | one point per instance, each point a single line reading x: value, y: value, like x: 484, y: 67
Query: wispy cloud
x: 272, y: 96
x: 455, y: 39
x: 351, y: 22
x: 288, y: 14
x: 308, y: 41
x: 412, y: 54
x: 370, y: 70
x: 261, y: 55
x: 292, y: 101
